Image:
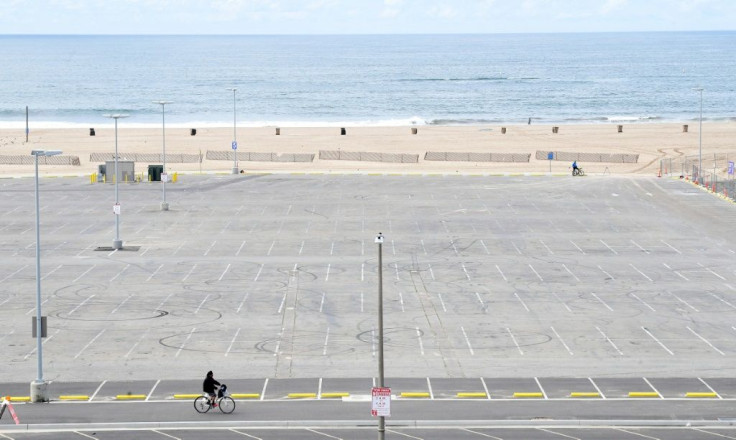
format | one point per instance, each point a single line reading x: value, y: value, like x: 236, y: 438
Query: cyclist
x: 208, y: 386
x: 575, y: 168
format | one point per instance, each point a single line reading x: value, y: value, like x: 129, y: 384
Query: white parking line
x: 515, y: 342
x: 568, y: 271
x: 607, y: 274
x: 483, y: 306
x: 484, y: 247
x: 517, y: 249
x: 259, y: 273
x: 652, y: 387
x: 521, y: 301
x: 202, y: 303
x: 229, y: 347
x: 639, y: 246
x: 160, y: 306
x: 327, y: 275
x: 547, y: 247
x: 185, y: 342
x: 676, y: 272
x: 81, y: 304
x: 609, y: 341
x: 153, y: 388
x: 722, y: 300
x: 135, y: 345
x: 640, y: 272
x: 609, y: 247
x: 603, y: 396
x: 92, y: 397
x: 44, y: 341
x: 671, y: 247
x: 706, y: 341
x: 322, y: 302
x: 424, y: 249
x: 442, y: 302
x: 419, y: 339
x: 467, y: 341
x: 643, y: 302
x: 270, y: 248
x: 683, y: 301
x: 601, y: 301
x: 454, y: 248
x: 1, y: 281
x: 121, y: 304
x: 241, y: 248
x: 55, y: 269
x: 393, y: 247
x: 658, y: 341
x: 561, y: 340
x: 709, y: 270
x: 119, y: 273
x: 401, y: 301
x: 502, y: 275
x: 431, y: 272
x: 153, y: 274
x: 563, y: 303
x: 190, y: 272
x: 467, y: 275
x: 396, y: 268
x: 710, y: 388
x: 89, y: 343
x: 240, y: 306
x: 577, y: 247
x: 224, y: 272
x: 535, y: 272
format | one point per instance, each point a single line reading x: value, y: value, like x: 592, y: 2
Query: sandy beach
x: 650, y: 141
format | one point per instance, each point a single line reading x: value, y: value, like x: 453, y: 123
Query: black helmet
x: 209, y: 373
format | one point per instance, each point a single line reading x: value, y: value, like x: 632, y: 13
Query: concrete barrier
x: 302, y: 395
x: 574, y: 394
x: 334, y: 395
x: 702, y: 395
x: 74, y: 397
x: 472, y: 395
x: 643, y: 394
x: 529, y: 395
x: 245, y: 396
x: 414, y: 395
x: 130, y: 397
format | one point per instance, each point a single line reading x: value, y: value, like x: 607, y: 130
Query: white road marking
x: 547, y: 247
x: 484, y: 247
x: 153, y: 388
x: 710, y: 388
x: 467, y: 341
x: 535, y: 272
x: 81, y: 304
x: 722, y: 300
x: 561, y: 340
x: 522, y: 302
x: 431, y: 272
x: 229, y: 347
x: 202, y: 303
x: 241, y: 248
x: 327, y: 275
x: 480, y: 433
x: 89, y: 343
x: 121, y: 304
x: 467, y: 275
x: 577, y: 247
x: 396, y: 268
x: 281, y: 306
x: 362, y: 271
x: 603, y: 396
x: 154, y: 272
x: 393, y: 247
x: 601, y: 301
x: 502, y: 275
x: 332, y: 248
x: 259, y: 273
x: 423, y: 248
x: 563, y: 303
x: 270, y: 248
x: 419, y: 338
x: 639, y: 246
x: 609, y: 341
x: 92, y: 397
x: 676, y: 272
x: 480, y: 300
x: 55, y: 269
x: 43, y: 342
x: 322, y: 302
x: 301, y: 248
x: 643, y: 302
x: 652, y: 387
x: 706, y: 341
x: 135, y: 345
x: 190, y: 272
x: 454, y: 248
x: 658, y: 341
x: 327, y: 338
x: 119, y: 273
x: 514, y: 339
x: 709, y: 270
x: 240, y: 306
x: 558, y: 433
x: 607, y: 274
x: 401, y: 301
x: 671, y: 247
x: 442, y: 302
x: 185, y: 342
x: 640, y: 272
x: 570, y: 272
x: 1, y: 281
x: 609, y: 247
x: 224, y: 272
x: 517, y: 249
x: 83, y: 274
x: 164, y: 301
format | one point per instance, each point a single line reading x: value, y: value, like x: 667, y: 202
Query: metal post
x: 700, y: 137
x: 117, y: 243
x: 164, y: 205
x: 381, y: 419
x: 235, y: 139
x: 38, y: 386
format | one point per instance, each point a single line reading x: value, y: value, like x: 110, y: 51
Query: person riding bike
x: 208, y: 386
x: 575, y: 166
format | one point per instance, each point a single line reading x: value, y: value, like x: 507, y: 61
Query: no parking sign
x: 381, y: 402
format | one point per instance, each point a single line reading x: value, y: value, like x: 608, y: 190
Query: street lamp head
x: 45, y: 152
x: 163, y: 102
x: 698, y: 89
x: 232, y: 89
x: 379, y: 238
x: 116, y: 116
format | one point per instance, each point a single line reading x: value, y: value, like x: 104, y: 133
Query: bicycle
x: 223, y: 401
x: 578, y: 172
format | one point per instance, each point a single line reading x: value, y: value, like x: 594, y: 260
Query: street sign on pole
x: 381, y: 401
x: 235, y: 145
x: 730, y: 167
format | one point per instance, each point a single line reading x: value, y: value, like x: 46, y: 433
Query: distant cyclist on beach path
x: 208, y: 386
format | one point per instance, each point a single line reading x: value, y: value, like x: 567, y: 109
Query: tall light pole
x: 117, y: 243
x: 381, y: 419
x: 38, y: 386
x: 235, y: 138
x: 164, y: 205
x: 700, y: 137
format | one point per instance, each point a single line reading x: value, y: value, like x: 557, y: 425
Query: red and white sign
x: 116, y: 209
x: 6, y: 403
x: 381, y: 402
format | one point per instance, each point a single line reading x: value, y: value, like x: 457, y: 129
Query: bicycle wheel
x: 226, y: 404
x: 202, y: 404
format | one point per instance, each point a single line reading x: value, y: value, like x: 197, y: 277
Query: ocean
x: 368, y: 80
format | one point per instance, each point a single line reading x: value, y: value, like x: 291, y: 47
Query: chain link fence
x: 260, y: 157
x: 148, y: 157
x: 717, y: 171
x: 587, y: 157
x: 42, y: 160
x: 364, y: 156
x: 476, y: 157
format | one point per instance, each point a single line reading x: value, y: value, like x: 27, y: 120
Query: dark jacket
x: 208, y: 386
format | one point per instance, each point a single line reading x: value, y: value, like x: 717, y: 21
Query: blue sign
x: 730, y: 167
x: 551, y: 156
x: 235, y: 145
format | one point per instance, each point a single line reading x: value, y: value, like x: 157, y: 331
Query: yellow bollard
x: 175, y: 177
x: 92, y: 178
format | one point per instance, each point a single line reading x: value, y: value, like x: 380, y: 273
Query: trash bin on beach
x: 413, y: 130
x: 620, y: 128
x: 343, y: 132
x: 91, y: 131
x: 503, y: 130
x: 278, y: 131
x: 555, y: 129
x: 193, y: 132
x: 684, y: 128
x: 154, y: 173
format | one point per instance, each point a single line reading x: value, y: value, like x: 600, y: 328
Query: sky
x: 361, y: 16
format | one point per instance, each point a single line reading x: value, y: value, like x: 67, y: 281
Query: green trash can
x: 154, y: 173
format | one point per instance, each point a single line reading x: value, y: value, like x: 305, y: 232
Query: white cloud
x: 612, y: 5
x: 442, y: 11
